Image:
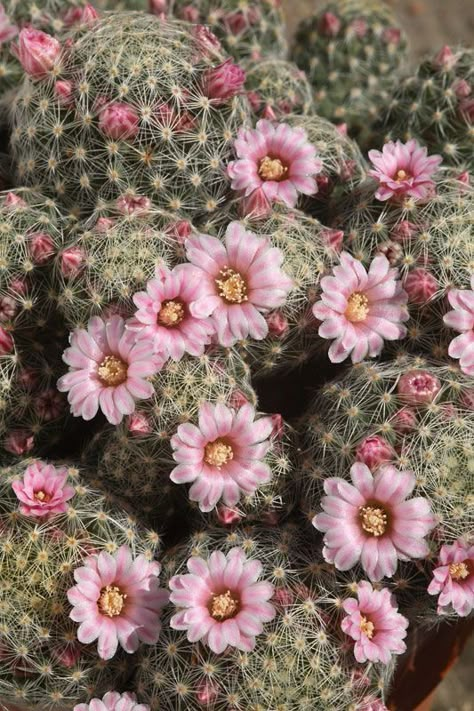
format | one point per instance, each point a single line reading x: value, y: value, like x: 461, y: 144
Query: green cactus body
x: 43, y: 666
x: 276, y: 87
x: 137, y: 120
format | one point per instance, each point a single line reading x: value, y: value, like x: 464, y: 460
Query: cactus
x: 435, y: 105
x: 158, y: 124
x: 43, y: 665
x: 276, y: 87
x: 351, y: 51
x: 247, y: 30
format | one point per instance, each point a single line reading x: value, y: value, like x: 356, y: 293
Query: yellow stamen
x: 459, y: 571
x: 218, y: 453
x: 112, y: 371
x: 401, y: 175
x: 373, y: 520
x: 224, y: 606
x: 171, y: 313
x: 357, y: 307
x: 231, y: 286
x: 367, y: 627
x: 272, y: 169
x: 111, y: 601
x: 42, y: 496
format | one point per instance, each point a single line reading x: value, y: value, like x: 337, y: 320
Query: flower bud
x: 37, y: 51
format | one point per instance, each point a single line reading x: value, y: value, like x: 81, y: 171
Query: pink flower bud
x: 206, y: 693
x: 392, y: 250
x: 180, y: 231
x: 6, y: 342
x: 391, y: 35
x: 224, y: 82
x: 359, y: 27
x: 466, y: 108
x: 37, y: 51
x: 283, y: 597
x: 49, y: 405
x: 325, y: 185
x: 80, y: 16
x: 464, y: 178
x: 404, y: 420
x: 206, y: 39
x: 12, y: 201
x: 67, y: 655
x: 329, y: 24
x: 72, y: 261
x: 189, y: 13
x: 420, y: 286
x: 237, y: 400
x: 253, y: 15
x: 119, y: 121
x: 256, y: 204
x: 104, y: 224
x: 7, y: 30
x: 405, y: 230
x: 133, y: 205
x: 235, y: 22
x: 374, y: 451
x: 19, y: 286
x: 445, y: 59
x: 255, y: 100
x: 278, y: 426
x: 63, y: 92
x: 418, y: 387
x: 8, y: 308
x: 227, y: 516
x: 348, y: 169
x: 332, y: 238
x: 269, y: 114
x: 157, y: 7
x: 277, y: 324
x: 19, y: 442
x: 461, y: 88
x: 41, y: 247
x: 139, y: 424
x: 342, y: 129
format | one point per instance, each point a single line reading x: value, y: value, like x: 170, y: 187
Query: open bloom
x: 107, y: 369
x: 360, y: 309
x: 241, y: 280
x: 403, y: 169
x: 43, y: 490
x: 113, y: 701
x: 375, y: 624
x: 116, y: 600
x: 164, y: 316
x: 222, y: 455
x: 277, y: 160
x: 223, y: 604
x: 418, y: 387
x: 462, y: 319
x: 453, y: 579
x: 372, y: 521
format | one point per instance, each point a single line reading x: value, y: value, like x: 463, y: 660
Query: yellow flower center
x: 218, y: 453
x: 459, y: 571
x: 42, y: 496
x: 272, y: 169
x: 373, y: 519
x: 231, y: 286
x: 401, y: 175
x: 357, y: 307
x: 224, y: 606
x: 111, y: 601
x: 171, y: 313
x: 112, y: 371
x: 367, y: 627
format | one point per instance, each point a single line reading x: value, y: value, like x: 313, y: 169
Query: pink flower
x: 360, y: 309
x: 227, y: 516
x: 8, y: 309
x: 158, y: 7
x: 375, y: 624
x: 332, y: 238
x: 371, y: 521
x: 466, y: 108
x: 41, y: 247
x: 6, y: 342
x: 189, y: 14
x: 359, y: 27
x: 235, y: 22
x: 405, y: 230
x: 19, y: 442
x: 241, y: 279
x: 403, y: 169
x: 117, y: 601
x: 207, y: 692
x: 462, y: 319
x: 72, y: 261
x: 7, y: 30
x: 445, y: 59
x: 113, y: 701
x: 418, y: 387
x: 391, y: 35
x: 164, y: 315
x: 86, y: 15
x: 222, y: 603
x: 43, y: 490
x: 277, y: 324
x: 329, y: 24
x: 374, y: 451
x: 63, y: 90
x: 275, y: 159
x: 461, y: 88
x: 107, y: 369
x: 224, y: 82
x: 119, y: 121
x: 453, y: 579
x: 420, y: 285
x: 207, y: 39
x: 133, y: 205
x: 13, y: 201
x: 223, y: 455
x: 404, y: 420
x: 37, y: 51
x: 139, y: 424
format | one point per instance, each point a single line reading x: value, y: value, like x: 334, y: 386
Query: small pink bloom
x: 43, y: 490
x: 372, y: 521
x: 37, y: 51
x: 104, y: 224
x: 189, y: 13
x: 374, y: 451
x: 332, y: 238
x: 133, y: 204
x: 12, y: 201
x: 63, y: 90
x: 466, y: 108
x: 375, y: 624
x: 235, y: 22
x: 19, y: 442
x: 359, y: 27
x: 49, y: 404
x: 86, y: 15
x: 221, y: 603
x: 117, y: 600
x: 255, y: 100
x: 329, y: 24
x: 277, y: 159
x: 420, y: 285
x: 164, y: 313
x: 224, y: 82
x: 453, y: 579
x: 418, y: 387
x: 255, y: 205
x: 8, y: 309
x: 6, y: 342
x: 392, y: 250
x: 223, y: 455
x: 269, y: 113
x: 158, y: 7
x: 180, y: 231
x: 403, y: 169
x: 227, y: 516
x: 360, y: 309
x: 464, y: 178
x: 68, y: 655
x: 19, y: 286
x: 139, y: 424
x: 445, y: 59
x: 462, y: 319
x: 238, y: 399
x: 461, y: 88
x: 277, y: 324
x: 342, y: 129
x: 404, y: 231
x: 392, y: 35
x: 404, y: 420
x: 206, y: 39
x: 72, y: 261
x: 241, y: 280
x: 107, y: 370
x: 119, y: 121
x: 7, y: 30
x: 41, y: 247
x: 207, y: 693
x: 113, y: 701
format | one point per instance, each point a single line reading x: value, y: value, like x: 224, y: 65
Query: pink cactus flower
x: 189, y: 14
x: 374, y: 451
x: 453, y: 579
x: 360, y: 309
x: 208, y: 41
x: 104, y: 224
x: 277, y: 324
x: 466, y: 108
x: 164, y: 315
x: 72, y: 261
x: 107, y: 370
x: 235, y: 22
x: 7, y: 29
x: 371, y: 704
x: 117, y: 600
x: 224, y: 82
x: 207, y: 692
x: 329, y: 24
x: 403, y: 170
x: 404, y: 231
x: 113, y: 701
x: 420, y: 285
x: 221, y: 603
x: 461, y: 88
x: 241, y: 279
x: 19, y: 442
x: 13, y: 201
x: 119, y: 121
x: 41, y: 247
x: 158, y: 7
x: 333, y: 238
x: 180, y: 231
x: 445, y: 59
x: 227, y: 516
x: 461, y: 319
x: 43, y: 490
x: 375, y: 624
x: 63, y: 90
x: 37, y: 52
x: 359, y: 27
x: 139, y: 424
x: 86, y: 15
x: 7, y: 343
x: 277, y: 160
x: 392, y: 35
x: 404, y: 420
x: 418, y: 387
x: 133, y: 205
x: 255, y: 205
x: 372, y: 521
x: 8, y: 309
x: 223, y: 455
